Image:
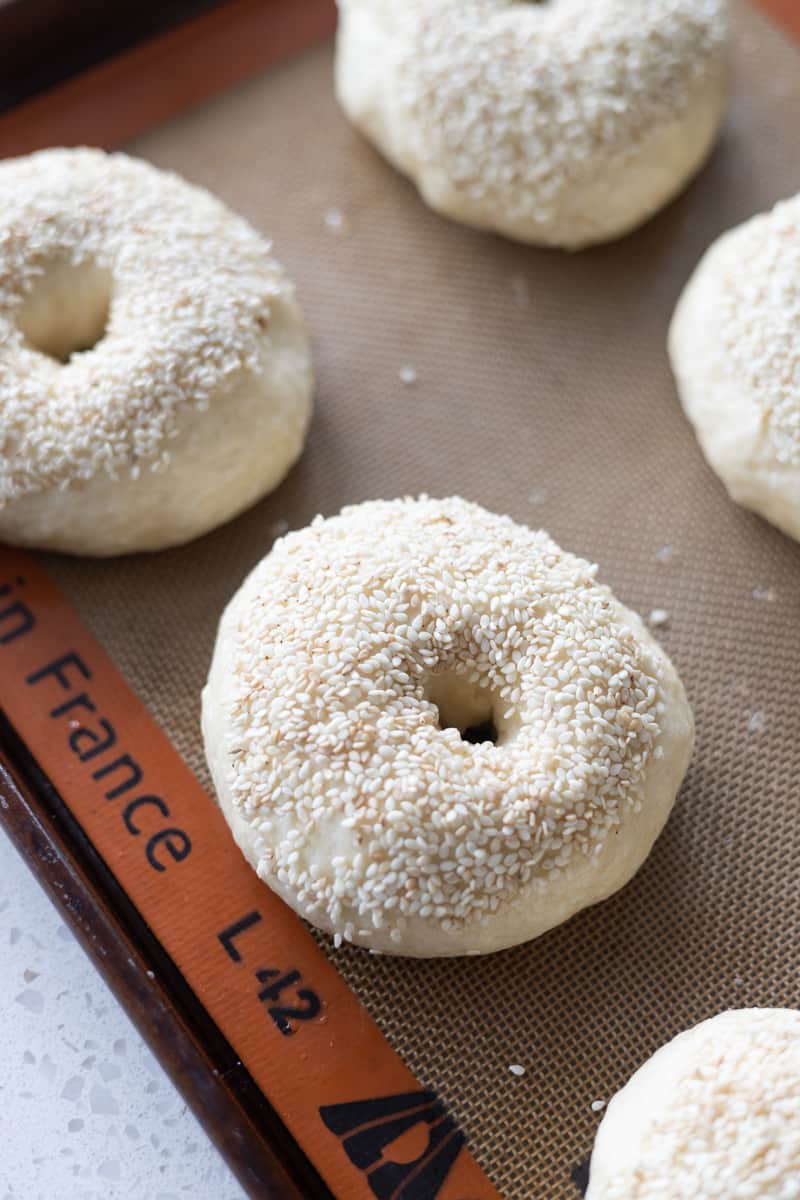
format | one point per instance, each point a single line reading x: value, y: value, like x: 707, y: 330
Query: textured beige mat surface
x: 542, y: 389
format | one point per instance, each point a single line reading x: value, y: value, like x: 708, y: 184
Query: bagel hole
x: 464, y: 706
x: 66, y: 311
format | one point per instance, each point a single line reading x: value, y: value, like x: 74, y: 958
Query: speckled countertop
x: 86, y: 1112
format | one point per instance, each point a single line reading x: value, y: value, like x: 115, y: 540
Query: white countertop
x: 86, y: 1112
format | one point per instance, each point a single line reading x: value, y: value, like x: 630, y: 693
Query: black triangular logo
x: 367, y: 1128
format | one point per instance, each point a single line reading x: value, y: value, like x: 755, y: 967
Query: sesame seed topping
x: 512, y: 104
x: 352, y: 643
x: 722, y: 1117
x: 191, y: 287
x: 759, y: 313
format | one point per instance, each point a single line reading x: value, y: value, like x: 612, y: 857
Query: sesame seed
x: 756, y: 722
x: 516, y: 1069
x: 336, y: 222
x: 658, y: 617
x: 408, y: 375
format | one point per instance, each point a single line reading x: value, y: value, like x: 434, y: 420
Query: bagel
x: 561, y: 123
x: 433, y: 733
x: 155, y: 375
x: 713, y: 1115
x: 735, y: 350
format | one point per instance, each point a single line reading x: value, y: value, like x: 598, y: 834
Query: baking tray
x: 542, y: 389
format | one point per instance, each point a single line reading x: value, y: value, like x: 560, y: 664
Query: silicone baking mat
x: 535, y: 383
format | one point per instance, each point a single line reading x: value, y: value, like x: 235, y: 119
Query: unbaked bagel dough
x: 562, y: 123
x: 735, y: 350
x: 155, y: 376
x: 713, y: 1115
x: 359, y: 678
